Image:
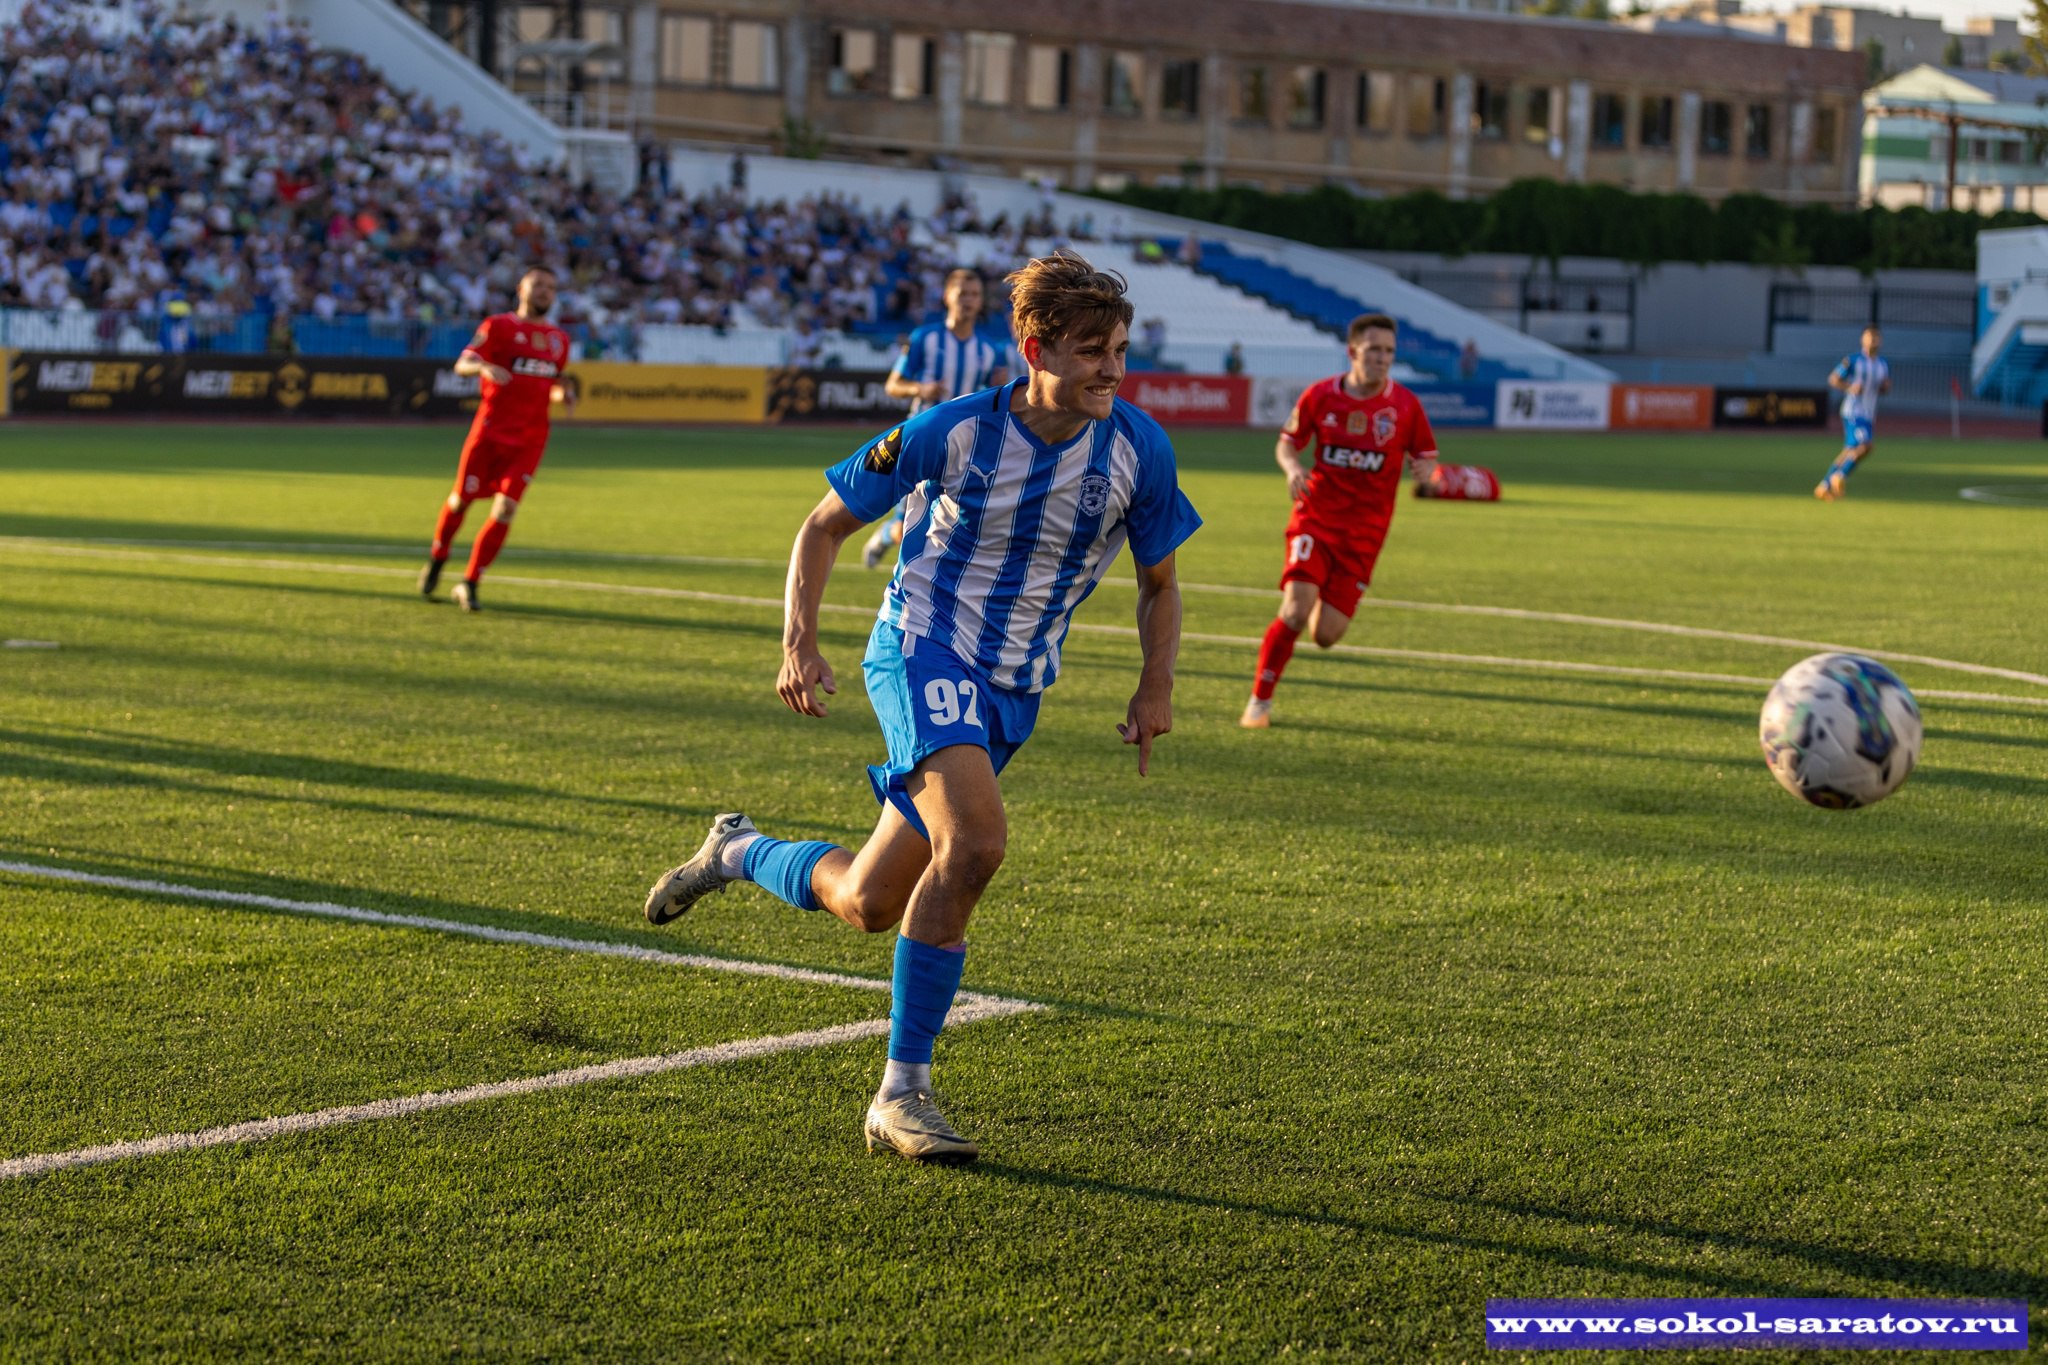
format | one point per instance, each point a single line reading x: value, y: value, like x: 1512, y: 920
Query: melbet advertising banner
x: 239, y: 385
x: 1770, y: 407
x: 613, y: 391
x: 859, y: 397
x: 1549, y: 405
x: 1190, y: 400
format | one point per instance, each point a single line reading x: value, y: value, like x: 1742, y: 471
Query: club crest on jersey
x: 1094, y: 494
x: 882, y: 454
x: 1382, y: 426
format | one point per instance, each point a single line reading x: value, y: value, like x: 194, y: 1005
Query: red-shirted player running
x: 521, y: 357
x: 1363, y: 424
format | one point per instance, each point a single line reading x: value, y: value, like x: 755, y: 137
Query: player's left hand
x: 1150, y: 715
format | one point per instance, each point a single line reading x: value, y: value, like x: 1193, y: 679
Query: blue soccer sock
x: 782, y: 868
x: 922, y: 990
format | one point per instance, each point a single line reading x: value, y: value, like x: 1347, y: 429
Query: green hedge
x: 1547, y: 219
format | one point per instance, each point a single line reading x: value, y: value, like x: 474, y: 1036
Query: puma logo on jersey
x: 1371, y: 461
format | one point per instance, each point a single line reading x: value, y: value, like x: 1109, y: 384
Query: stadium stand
x: 177, y: 181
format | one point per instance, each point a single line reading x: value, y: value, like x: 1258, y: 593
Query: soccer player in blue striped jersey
x: 938, y: 363
x: 1019, y: 500
x: 1861, y: 378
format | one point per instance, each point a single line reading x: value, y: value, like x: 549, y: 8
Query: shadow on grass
x: 1829, y: 1262
x: 1921, y: 1276
x: 109, y: 775
x: 95, y: 755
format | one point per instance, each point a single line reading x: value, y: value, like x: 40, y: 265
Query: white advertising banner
x: 1273, y: 400
x: 1539, y: 405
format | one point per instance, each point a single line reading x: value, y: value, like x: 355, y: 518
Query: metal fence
x: 1591, y: 313
x: 1870, y: 305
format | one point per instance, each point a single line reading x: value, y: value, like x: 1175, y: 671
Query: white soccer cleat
x: 1258, y: 714
x: 682, y: 887
x: 877, y: 549
x: 912, y: 1126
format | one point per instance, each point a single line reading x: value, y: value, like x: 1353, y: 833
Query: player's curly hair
x: 1061, y: 297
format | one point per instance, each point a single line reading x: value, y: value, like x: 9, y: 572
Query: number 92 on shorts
x: 928, y: 698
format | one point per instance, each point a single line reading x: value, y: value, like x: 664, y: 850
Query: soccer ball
x: 1840, y: 731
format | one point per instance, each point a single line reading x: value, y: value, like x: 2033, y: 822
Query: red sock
x: 485, y: 550
x: 1274, y: 653
x: 445, y: 528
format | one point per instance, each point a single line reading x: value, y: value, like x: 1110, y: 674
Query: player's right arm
x: 804, y: 670
x: 1294, y: 438
x: 1840, y: 379
x: 476, y: 357
x: 865, y: 484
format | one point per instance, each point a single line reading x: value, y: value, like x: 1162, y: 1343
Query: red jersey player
x: 521, y: 357
x: 1363, y: 424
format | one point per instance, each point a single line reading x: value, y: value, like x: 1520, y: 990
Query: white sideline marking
x: 2007, y: 494
x: 1654, y: 628
x: 363, y: 547
x: 1217, y: 589
x: 489, y: 933
x: 1361, y: 651
x: 260, y: 1130
x: 32, y: 644
x: 968, y: 1008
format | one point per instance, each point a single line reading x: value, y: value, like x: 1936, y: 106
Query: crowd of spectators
x: 153, y: 161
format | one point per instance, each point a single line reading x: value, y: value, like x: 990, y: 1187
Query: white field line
x: 488, y: 933
x: 2008, y: 494
x: 1215, y: 589
x: 259, y: 1130
x: 360, y: 547
x: 1358, y: 651
x: 1656, y: 628
x: 968, y: 1008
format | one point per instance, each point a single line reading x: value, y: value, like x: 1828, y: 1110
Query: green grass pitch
x: 1465, y: 980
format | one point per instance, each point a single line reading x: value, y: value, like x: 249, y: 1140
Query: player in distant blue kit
x: 1861, y: 378
x: 1019, y: 499
x: 940, y: 362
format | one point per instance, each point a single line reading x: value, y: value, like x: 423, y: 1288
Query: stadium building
x: 1283, y: 94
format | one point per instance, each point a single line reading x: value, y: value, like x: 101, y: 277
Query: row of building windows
x: 1415, y: 103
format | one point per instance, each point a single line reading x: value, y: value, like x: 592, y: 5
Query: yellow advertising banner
x: 611, y: 391
x: 6, y: 378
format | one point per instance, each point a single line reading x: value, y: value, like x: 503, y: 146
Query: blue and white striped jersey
x: 963, y: 367
x: 1869, y: 371
x: 1004, y: 535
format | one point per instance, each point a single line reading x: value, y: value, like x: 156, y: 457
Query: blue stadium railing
x: 1327, y: 308
x: 241, y: 334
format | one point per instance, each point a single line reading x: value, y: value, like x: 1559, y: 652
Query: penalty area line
x: 407, y: 1106
x: 968, y: 1008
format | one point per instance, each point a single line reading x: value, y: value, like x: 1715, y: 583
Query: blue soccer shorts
x: 1856, y: 431
x: 928, y: 698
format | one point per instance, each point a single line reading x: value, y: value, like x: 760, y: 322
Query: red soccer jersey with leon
x: 1360, y: 445
x: 516, y: 413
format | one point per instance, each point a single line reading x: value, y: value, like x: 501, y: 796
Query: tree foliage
x: 1548, y: 220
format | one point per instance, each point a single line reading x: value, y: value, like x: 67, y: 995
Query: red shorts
x: 492, y: 466
x: 1341, y: 568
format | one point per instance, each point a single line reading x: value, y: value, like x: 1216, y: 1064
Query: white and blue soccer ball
x: 1840, y: 731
